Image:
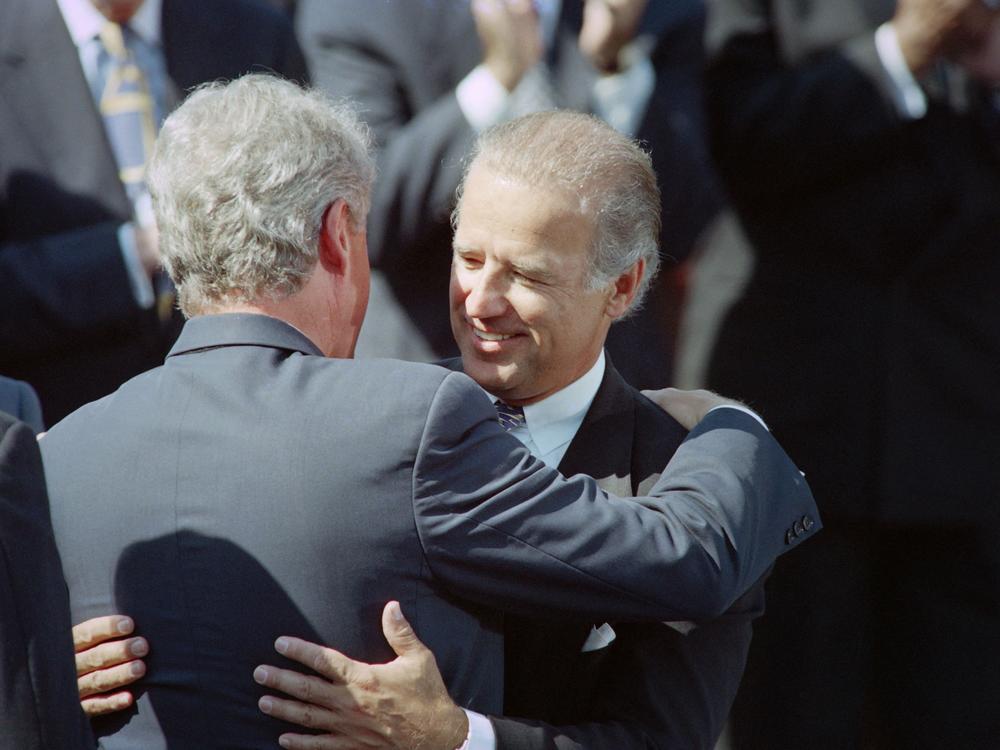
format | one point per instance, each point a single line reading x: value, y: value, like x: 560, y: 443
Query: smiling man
x: 532, y: 294
x: 555, y: 239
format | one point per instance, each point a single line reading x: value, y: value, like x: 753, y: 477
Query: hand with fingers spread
x: 107, y: 660
x: 402, y: 704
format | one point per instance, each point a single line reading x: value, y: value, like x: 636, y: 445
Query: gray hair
x: 610, y: 174
x: 241, y: 176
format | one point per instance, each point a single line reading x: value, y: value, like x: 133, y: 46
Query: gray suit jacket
x: 39, y: 709
x: 258, y: 489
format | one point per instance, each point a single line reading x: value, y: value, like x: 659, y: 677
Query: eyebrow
x: 539, y: 271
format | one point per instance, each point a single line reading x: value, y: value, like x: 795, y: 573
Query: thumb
x: 398, y: 632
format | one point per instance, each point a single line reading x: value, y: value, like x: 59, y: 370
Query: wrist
x: 506, y: 75
x: 918, y: 50
x: 457, y: 728
x: 607, y: 62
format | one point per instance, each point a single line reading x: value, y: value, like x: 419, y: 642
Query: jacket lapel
x: 44, y: 86
x: 602, y: 447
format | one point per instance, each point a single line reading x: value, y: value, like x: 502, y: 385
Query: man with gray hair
x: 555, y: 239
x: 261, y: 482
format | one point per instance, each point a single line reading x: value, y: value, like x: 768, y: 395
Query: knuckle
x: 105, y: 680
x: 309, y: 718
x: 83, y: 687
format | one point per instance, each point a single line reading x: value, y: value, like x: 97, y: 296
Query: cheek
x: 457, y: 288
x: 537, y: 312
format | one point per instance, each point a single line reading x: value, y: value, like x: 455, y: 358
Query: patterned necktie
x: 509, y: 416
x: 129, y: 111
x: 127, y: 107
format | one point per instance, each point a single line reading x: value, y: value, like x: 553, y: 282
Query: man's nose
x: 486, y: 298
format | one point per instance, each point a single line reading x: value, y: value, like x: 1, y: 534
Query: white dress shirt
x: 910, y: 100
x: 550, y: 424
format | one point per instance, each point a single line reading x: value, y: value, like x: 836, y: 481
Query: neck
x: 312, y: 323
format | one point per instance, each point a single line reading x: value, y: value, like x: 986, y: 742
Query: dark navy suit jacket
x: 652, y: 686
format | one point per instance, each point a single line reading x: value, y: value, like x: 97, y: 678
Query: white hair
x: 241, y: 176
x: 610, y: 174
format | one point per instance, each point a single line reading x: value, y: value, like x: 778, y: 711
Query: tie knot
x: 113, y: 38
x: 509, y: 416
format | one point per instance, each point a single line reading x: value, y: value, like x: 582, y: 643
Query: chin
x: 488, y: 375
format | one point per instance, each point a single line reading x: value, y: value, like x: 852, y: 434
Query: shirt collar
x: 554, y: 420
x: 84, y: 21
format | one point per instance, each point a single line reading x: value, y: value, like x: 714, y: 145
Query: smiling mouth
x: 487, y: 336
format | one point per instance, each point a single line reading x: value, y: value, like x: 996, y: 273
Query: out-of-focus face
x: 521, y: 313
x: 119, y: 11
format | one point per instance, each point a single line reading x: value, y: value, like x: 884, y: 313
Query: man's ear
x: 334, y: 236
x: 624, y: 289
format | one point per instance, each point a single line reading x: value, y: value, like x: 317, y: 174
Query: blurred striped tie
x: 129, y: 113
x: 127, y: 107
x: 509, y: 416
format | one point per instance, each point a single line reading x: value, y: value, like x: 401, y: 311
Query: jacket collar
x: 240, y: 329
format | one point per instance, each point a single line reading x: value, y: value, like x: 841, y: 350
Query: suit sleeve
x: 60, y: 289
x: 38, y: 699
x: 778, y: 126
x: 419, y: 152
x: 499, y: 527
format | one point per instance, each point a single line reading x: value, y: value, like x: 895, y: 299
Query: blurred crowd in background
x: 830, y: 173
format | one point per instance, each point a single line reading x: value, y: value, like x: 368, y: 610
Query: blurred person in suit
x: 372, y: 480
x: 522, y: 262
x: 85, y: 84
x: 39, y: 709
x: 858, y: 142
x: 429, y: 75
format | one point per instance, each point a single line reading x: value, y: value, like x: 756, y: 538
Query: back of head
x: 610, y: 174
x: 240, y: 177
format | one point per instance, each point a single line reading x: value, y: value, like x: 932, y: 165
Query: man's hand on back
x: 107, y: 660
x: 402, y: 704
x: 688, y: 407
